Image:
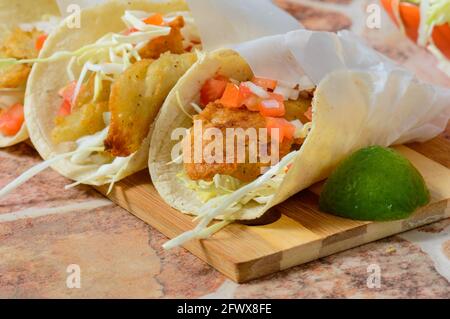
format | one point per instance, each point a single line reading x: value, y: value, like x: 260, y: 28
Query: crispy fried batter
x: 86, y: 116
x: 296, y: 109
x: 216, y: 116
x: 19, y: 45
x: 87, y: 120
x: 172, y: 43
x: 137, y: 96
x: 14, y: 76
x: 87, y: 92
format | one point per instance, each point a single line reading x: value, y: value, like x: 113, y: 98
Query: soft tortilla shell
x: 13, y: 13
x: 351, y: 111
x: 42, y: 101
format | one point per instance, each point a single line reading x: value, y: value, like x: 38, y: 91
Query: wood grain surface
x: 300, y: 232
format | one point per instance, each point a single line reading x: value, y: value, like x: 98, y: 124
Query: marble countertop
x: 47, y: 232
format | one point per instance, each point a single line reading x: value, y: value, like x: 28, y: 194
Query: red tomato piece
x: 11, y: 120
x: 265, y: 83
x: 212, y: 90
x: 156, y: 19
x: 286, y: 129
x: 41, y: 41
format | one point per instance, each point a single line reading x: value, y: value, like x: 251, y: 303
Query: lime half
x: 374, y: 184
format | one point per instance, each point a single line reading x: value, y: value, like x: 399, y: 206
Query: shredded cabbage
x: 207, y: 190
x: 111, y: 54
x: 108, y: 57
x: 228, y: 205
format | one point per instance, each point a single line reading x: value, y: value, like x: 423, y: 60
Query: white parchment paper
x: 409, y: 109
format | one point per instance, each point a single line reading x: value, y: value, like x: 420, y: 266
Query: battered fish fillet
x: 86, y: 116
x: 19, y: 45
x: 217, y: 116
x: 137, y: 96
x: 15, y: 76
x: 172, y: 43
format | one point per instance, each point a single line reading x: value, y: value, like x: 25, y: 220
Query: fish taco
x: 23, y: 30
x: 95, y: 90
x: 310, y: 125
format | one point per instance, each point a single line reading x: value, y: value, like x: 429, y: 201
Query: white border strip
x: 39, y: 212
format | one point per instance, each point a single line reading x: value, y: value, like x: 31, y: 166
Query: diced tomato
x: 248, y: 98
x: 252, y: 103
x: 265, y: 83
x: 441, y: 37
x: 65, y: 109
x: 68, y: 91
x: 130, y: 31
x: 40, y: 42
x: 410, y: 15
x: 286, y: 129
x: 213, y: 90
x: 156, y: 19
x: 231, y: 98
x: 309, y: 114
x: 273, y: 107
x: 11, y: 120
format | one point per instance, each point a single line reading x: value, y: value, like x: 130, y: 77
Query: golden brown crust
x: 86, y: 120
x: 15, y: 76
x: 128, y: 103
x: 137, y: 98
x: 18, y: 45
x: 172, y: 43
x: 217, y: 116
x: 21, y: 44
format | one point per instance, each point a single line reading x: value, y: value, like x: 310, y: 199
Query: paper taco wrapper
x: 12, y: 14
x: 42, y: 101
x: 361, y: 99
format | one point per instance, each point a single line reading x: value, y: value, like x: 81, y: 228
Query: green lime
x: 374, y: 184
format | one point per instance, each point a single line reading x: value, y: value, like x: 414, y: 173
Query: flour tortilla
x: 352, y: 109
x: 12, y: 14
x: 42, y: 101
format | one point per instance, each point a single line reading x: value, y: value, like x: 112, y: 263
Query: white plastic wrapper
x: 416, y: 111
x: 223, y: 23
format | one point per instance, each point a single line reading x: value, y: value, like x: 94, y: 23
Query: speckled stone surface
x: 120, y: 256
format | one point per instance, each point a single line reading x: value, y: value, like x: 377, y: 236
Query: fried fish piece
x: 86, y: 116
x: 87, y: 93
x: 137, y: 96
x: 296, y: 109
x: 14, y: 76
x: 217, y: 116
x: 19, y: 44
x: 87, y: 120
x: 172, y: 43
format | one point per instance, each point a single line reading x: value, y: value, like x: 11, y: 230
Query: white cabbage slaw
x: 226, y: 206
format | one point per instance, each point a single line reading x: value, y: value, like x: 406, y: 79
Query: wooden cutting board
x: 296, y: 231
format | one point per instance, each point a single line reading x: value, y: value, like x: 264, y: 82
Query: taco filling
x: 24, y: 43
x: 107, y: 110
x: 279, y: 116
